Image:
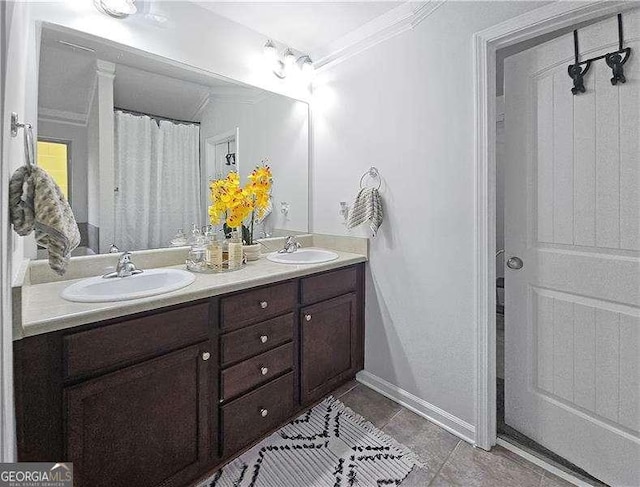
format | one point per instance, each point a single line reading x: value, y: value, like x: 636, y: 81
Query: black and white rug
x: 329, y: 446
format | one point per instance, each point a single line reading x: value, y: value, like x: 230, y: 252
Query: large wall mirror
x: 134, y: 139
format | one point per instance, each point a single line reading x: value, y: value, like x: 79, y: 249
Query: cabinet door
x: 143, y: 425
x: 329, y: 345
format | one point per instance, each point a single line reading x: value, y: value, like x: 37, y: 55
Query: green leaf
x: 246, y: 235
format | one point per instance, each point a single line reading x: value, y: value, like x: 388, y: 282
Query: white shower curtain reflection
x: 157, y: 169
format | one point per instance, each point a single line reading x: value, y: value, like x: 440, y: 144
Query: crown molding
x: 394, y: 22
x: 62, y: 116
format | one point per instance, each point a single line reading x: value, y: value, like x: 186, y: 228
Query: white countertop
x: 43, y: 310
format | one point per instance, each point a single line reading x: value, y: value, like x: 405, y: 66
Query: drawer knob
x: 264, y: 338
x: 307, y: 317
x: 206, y: 356
x: 264, y: 304
x: 264, y: 412
x: 264, y: 370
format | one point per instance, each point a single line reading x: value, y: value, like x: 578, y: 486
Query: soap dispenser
x: 214, y: 251
x: 235, y: 251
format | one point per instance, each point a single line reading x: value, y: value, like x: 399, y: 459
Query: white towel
x: 36, y: 202
x: 367, y: 207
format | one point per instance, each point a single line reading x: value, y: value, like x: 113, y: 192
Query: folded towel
x: 366, y: 207
x: 36, y: 203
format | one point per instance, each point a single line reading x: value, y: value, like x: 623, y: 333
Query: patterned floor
x: 445, y: 459
x: 328, y: 446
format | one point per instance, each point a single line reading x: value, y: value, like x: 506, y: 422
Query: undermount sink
x: 148, y: 283
x: 303, y: 256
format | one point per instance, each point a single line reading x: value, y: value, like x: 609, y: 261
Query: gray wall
x: 402, y: 107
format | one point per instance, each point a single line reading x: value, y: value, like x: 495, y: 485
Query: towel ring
x: 373, y: 174
x: 29, y: 148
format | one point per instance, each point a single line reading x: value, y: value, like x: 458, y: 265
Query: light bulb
x: 289, y: 58
x: 117, y: 8
x: 270, y: 52
x: 307, y: 67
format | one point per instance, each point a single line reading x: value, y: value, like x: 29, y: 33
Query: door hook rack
x: 615, y: 60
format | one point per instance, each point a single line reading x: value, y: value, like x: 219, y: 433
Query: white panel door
x: 572, y: 214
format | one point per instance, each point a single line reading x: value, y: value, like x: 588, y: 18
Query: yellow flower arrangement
x: 235, y: 204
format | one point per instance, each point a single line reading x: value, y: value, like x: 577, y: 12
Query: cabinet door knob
x: 264, y: 338
x: 264, y: 412
x: 264, y: 304
x: 206, y: 355
x: 264, y: 370
x: 307, y: 317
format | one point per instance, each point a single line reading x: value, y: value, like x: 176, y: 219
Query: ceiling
x: 304, y: 26
x: 142, y: 83
x: 155, y: 94
x: 66, y: 79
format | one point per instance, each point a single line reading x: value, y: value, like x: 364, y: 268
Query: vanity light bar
x: 282, y: 65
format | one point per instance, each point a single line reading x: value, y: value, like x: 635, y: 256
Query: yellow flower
x: 234, y: 203
x: 259, y: 187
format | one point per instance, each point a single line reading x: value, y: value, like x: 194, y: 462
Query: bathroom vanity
x: 161, y: 397
x: 162, y: 389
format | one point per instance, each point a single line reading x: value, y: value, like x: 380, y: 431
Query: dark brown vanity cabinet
x: 328, y: 336
x: 331, y: 331
x: 131, y: 401
x: 143, y: 425
x: 162, y: 398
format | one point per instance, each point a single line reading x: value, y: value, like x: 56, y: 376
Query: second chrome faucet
x: 290, y: 245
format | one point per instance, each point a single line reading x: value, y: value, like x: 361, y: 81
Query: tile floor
x: 448, y: 461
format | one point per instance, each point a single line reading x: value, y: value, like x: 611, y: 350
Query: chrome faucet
x: 290, y: 245
x: 124, y: 268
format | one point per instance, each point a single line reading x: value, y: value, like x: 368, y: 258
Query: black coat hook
x: 616, y: 60
x: 576, y: 71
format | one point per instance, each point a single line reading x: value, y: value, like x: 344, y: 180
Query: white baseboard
x: 442, y: 418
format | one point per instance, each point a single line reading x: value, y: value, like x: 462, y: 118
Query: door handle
x: 515, y: 263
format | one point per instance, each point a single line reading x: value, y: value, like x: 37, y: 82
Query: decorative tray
x: 202, y: 267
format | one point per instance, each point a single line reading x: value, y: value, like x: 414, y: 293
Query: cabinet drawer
x: 109, y: 346
x: 249, y: 417
x: 329, y: 285
x: 256, y: 305
x: 257, y: 370
x: 247, y: 342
